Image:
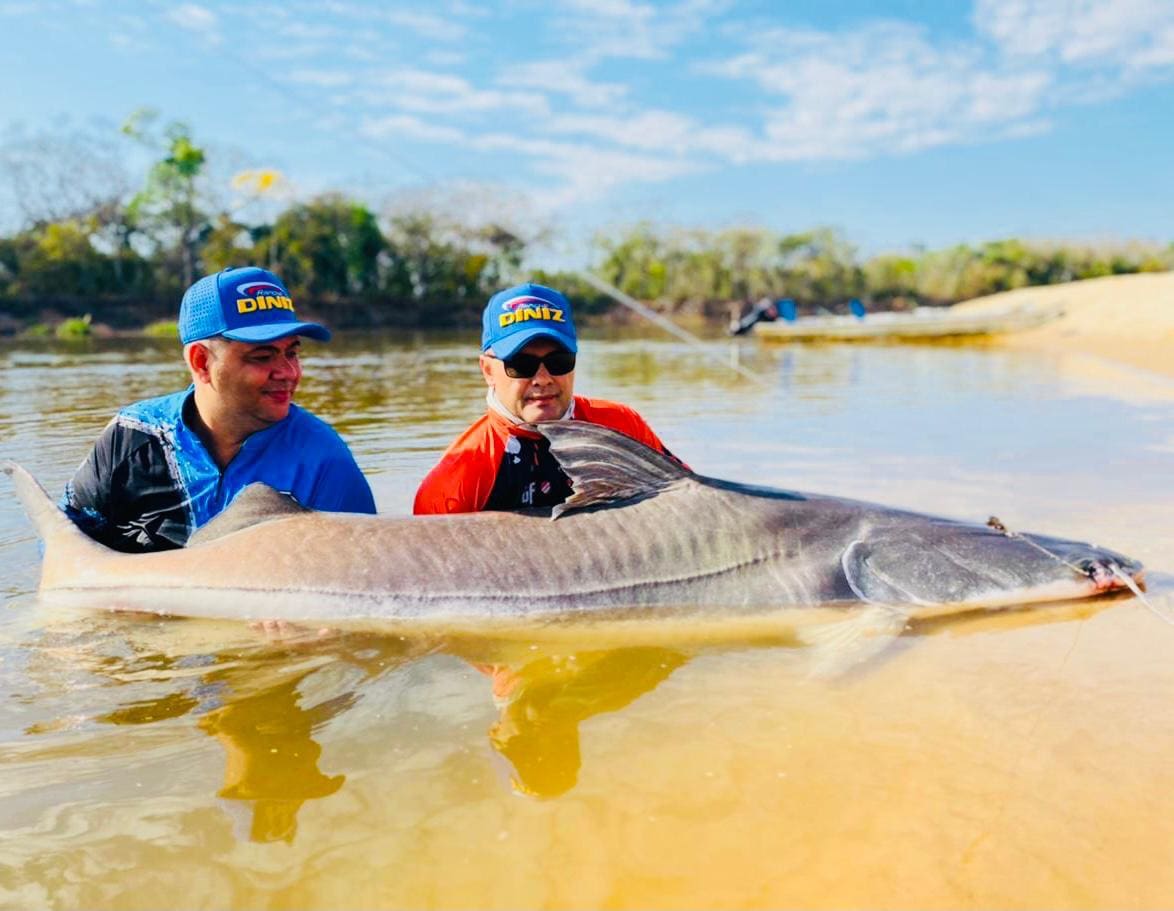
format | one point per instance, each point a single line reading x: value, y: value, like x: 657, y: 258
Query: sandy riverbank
x: 1128, y: 319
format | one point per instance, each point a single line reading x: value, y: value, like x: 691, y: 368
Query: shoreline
x: 1123, y: 320
x: 1127, y: 320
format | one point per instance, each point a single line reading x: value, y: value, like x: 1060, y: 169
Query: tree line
x: 92, y: 242
x: 820, y: 269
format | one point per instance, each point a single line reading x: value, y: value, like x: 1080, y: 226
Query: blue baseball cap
x: 518, y: 315
x: 247, y: 304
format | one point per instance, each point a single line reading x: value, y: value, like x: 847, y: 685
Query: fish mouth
x: 1107, y: 575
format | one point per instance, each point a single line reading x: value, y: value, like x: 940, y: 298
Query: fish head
x: 954, y: 563
x: 1101, y: 569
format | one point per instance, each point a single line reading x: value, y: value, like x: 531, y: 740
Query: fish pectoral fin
x: 903, y: 569
x: 836, y: 648
x: 869, y: 581
x: 604, y: 465
x: 256, y: 503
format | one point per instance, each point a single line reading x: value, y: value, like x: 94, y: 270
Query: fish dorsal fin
x: 606, y: 466
x: 256, y: 503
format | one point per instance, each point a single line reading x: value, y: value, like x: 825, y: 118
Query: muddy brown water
x: 1018, y: 759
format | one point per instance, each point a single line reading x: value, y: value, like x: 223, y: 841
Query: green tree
x: 819, y: 267
x: 434, y: 270
x: 699, y: 272
x: 748, y: 257
x: 61, y: 262
x: 636, y: 263
x: 168, y: 209
x: 891, y: 277
x: 227, y: 243
x: 330, y: 247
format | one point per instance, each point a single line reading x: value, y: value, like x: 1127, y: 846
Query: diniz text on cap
x: 262, y: 296
x: 526, y: 307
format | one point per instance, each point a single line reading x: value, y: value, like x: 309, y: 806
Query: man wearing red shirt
x: 528, y: 347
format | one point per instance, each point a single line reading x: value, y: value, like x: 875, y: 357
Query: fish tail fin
x: 62, y: 538
x: 838, y: 647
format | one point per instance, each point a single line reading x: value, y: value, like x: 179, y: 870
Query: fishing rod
x: 663, y: 322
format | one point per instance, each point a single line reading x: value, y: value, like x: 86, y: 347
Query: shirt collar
x: 190, y: 396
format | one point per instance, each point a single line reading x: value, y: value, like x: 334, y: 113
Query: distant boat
x: 922, y: 323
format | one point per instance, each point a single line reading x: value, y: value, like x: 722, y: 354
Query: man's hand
x: 290, y: 633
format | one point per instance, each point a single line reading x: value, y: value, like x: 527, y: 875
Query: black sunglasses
x: 524, y: 366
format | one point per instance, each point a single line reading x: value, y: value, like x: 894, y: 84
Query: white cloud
x: 404, y: 125
x: 585, y: 172
x: 567, y: 103
x: 368, y: 18
x: 1160, y: 51
x: 428, y: 92
x: 129, y: 33
x: 1125, y: 33
x: 428, y: 25
x: 565, y: 77
x: 362, y: 54
x: 326, y: 79
x: 470, y: 202
x: 649, y: 130
x: 445, y: 57
x: 279, y: 52
x: 660, y: 131
x: 194, y: 18
x: 623, y: 28
x: 880, y: 89
x: 615, y: 28
x: 303, y: 31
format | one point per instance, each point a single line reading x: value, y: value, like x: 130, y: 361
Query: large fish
x: 640, y: 534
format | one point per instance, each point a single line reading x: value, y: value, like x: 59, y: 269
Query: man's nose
x: 542, y: 375
x: 285, y: 367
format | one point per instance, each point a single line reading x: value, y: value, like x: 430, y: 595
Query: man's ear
x: 486, y: 363
x: 199, y: 359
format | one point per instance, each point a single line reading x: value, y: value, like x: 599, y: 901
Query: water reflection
x: 254, y: 703
x: 385, y: 742
x: 254, y: 707
x: 271, y: 757
x: 266, y: 703
x: 252, y: 698
x: 544, y: 701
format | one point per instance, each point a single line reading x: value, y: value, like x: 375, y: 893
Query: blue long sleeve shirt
x: 149, y: 482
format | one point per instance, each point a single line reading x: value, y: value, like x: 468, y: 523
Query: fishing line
x: 664, y: 322
x: 1029, y: 739
x: 590, y: 278
x: 995, y: 523
x: 1163, y: 614
x: 1114, y: 569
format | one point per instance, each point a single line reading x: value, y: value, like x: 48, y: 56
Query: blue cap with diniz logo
x: 247, y: 304
x: 518, y: 315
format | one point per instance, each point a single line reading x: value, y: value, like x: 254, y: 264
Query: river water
x: 1017, y: 760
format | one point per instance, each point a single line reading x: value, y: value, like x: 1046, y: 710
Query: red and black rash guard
x: 496, y: 465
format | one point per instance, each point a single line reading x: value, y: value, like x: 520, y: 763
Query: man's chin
x: 542, y: 413
x: 276, y: 413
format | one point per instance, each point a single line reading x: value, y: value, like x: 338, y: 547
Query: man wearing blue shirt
x: 166, y: 466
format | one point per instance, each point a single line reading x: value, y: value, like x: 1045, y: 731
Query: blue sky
x: 900, y: 123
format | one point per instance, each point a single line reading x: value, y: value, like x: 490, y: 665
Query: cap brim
x: 510, y: 345
x: 271, y: 332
